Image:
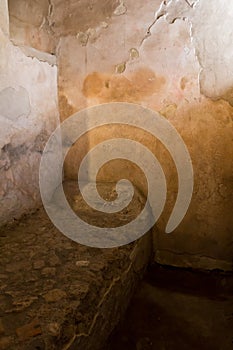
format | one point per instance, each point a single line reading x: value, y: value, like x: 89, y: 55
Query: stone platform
x: 58, y: 294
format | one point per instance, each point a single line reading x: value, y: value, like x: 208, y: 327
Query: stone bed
x: 58, y: 294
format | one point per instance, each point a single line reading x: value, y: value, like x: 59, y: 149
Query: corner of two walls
x: 28, y: 115
x: 170, y: 57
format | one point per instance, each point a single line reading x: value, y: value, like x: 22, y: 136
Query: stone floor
x: 58, y: 294
x: 177, y: 309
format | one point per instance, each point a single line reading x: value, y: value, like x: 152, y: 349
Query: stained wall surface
x: 174, y: 57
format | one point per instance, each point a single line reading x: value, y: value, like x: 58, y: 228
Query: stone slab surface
x: 58, y: 294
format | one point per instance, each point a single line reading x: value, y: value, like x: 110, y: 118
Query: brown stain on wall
x: 183, y: 83
x: 133, y: 88
x: 66, y: 110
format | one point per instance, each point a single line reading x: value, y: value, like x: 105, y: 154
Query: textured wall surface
x: 27, y: 118
x: 40, y: 24
x: 172, y: 56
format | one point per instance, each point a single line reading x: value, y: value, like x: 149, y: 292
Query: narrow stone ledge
x: 58, y: 294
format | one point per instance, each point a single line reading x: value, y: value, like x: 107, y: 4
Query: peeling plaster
x: 196, y: 55
x: 39, y: 55
x: 83, y: 38
x: 121, y: 9
x: 161, y: 12
x: 214, y: 61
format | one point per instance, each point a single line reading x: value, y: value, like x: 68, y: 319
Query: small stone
x: 20, y: 305
x: 31, y: 278
x: 49, y: 271
x: 54, y: 295
x: 18, y: 266
x: 67, y: 245
x: 54, y: 260
x: 54, y: 329
x: 5, y: 343
x: 78, y: 289
x: 83, y: 263
x: 39, y: 264
x: 29, y: 330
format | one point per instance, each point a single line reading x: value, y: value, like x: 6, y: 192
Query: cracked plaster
x: 168, y: 56
x: 173, y: 51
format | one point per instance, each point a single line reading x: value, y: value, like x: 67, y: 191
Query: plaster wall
x: 174, y: 57
x: 28, y: 115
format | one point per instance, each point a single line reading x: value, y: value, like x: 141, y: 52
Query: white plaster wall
x: 211, y: 33
x: 28, y: 115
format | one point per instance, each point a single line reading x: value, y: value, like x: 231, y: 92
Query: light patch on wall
x: 14, y: 103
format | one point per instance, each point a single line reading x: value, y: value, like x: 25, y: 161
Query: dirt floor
x: 178, y: 309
